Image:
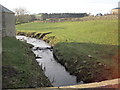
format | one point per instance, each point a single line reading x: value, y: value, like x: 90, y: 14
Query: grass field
x: 19, y: 68
x: 86, y: 48
x: 98, y: 31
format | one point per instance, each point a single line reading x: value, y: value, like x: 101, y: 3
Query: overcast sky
x: 62, y: 6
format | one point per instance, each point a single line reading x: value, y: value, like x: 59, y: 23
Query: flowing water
x: 55, y: 72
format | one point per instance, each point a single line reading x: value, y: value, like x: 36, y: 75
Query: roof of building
x: 117, y: 8
x: 4, y: 9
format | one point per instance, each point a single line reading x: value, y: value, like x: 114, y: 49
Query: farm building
x: 116, y: 11
x: 7, y: 22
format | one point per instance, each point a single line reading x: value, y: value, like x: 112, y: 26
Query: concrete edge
x: 93, y: 85
x: 101, y: 84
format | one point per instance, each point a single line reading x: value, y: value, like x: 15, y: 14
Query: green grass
x: 103, y: 53
x: 77, y: 40
x: 88, y: 61
x: 98, y: 31
x: 20, y: 69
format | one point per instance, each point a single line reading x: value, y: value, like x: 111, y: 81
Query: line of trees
x: 22, y: 16
x: 62, y: 15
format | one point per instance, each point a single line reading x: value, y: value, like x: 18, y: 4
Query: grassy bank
x: 87, y: 48
x: 88, y: 61
x: 20, y: 69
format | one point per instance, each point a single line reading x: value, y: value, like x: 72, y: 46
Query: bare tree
x: 20, y: 11
x: 22, y: 15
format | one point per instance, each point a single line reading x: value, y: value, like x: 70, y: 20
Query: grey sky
x: 62, y: 6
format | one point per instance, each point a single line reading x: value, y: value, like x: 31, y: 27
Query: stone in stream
x: 38, y: 57
x: 39, y: 48
x: 36, y: 48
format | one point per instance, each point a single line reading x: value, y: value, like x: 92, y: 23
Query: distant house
x: 7, y: 23
x: 116, y: 11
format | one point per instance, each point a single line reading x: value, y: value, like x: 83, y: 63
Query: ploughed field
x: 87, y: 47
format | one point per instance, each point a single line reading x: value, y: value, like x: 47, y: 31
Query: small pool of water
x: 55, y: 72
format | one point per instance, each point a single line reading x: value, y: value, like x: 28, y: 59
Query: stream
x: 55, y: 72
